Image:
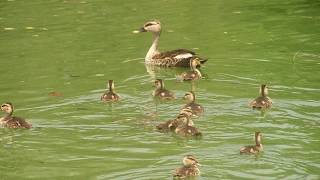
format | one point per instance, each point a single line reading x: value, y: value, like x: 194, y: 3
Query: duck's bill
x: 139, y: 31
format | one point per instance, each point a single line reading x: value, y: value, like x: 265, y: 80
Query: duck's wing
x: 189, y: 131
x: 179, y: 173
x: 165, y: 94
x: 197, y: 109
x: 178, y: 57
x: 261, y: 102
x: 194, y: 131
x: 175, y: 53
x: 110, y: 96
x: 164, y: 127
x: 248, y: 149
x: 17, y: 122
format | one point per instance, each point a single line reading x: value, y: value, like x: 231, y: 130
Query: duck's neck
x: 153, y: 49
x: 258, y: 140
x: 6, y: 116
x: 198, y: 72
x: 110, y: 86
x: 263, y: 91
x: 192, y: 100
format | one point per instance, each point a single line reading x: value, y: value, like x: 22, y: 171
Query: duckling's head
x: 190, y: 160
x: 158, y: 83
x: 7, y: 107
x: 263, y: 90
x: 110, y: 85
x: 153, y: 26
x: 190, y: 96
x: 194, y: 63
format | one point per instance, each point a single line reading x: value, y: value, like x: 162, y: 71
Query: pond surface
x: 71, y: 48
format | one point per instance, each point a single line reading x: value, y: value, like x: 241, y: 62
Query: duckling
x: 189, y: 169
x: 197, y: 109
x: 193, y: 74
x: 110, y: 95
x: 161, y: 92
x: 255, y: 148
x: 263, y: 101
x: 178, y: 57
x: 183, y: 118
x: 11, y: 121
x: 187, y: 130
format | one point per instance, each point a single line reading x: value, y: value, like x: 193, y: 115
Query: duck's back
x: 261, y: 102
x: 188, y: 131
x: 178, y: 57
x: 184, y: 172
x: 17, y: 122
x: 164, y: 127
x: 190, y: 75
x: 163, y: 94
x: 174, y: 54
x: 250, y: 149
x: 197, y: 109
x: 110, y: 96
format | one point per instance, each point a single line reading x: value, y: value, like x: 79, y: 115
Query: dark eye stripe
x: 149, y: 24
x: 192, y: 159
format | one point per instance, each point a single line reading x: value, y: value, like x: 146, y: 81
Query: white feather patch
x: 183, y: 56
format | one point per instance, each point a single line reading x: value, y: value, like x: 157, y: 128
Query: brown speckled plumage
x: 253, y: 149
x: 161, y: 92
x: 187, y: 131
x: 10, y: 121
x: 170, y: 125
x: 197, y: 109
x: 110, y: 95
x: 178, y: 57
x: 189, y: 168
x: 263, y: 101
x: 193, y: 74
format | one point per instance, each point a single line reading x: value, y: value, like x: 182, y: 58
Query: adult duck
x: 174, y: 58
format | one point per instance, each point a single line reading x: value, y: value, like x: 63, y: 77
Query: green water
x: 74, y: 47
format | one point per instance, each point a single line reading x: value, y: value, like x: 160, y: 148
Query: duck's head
x: 190, y: 96
x: 158, y: 83
x: 263, y: 90
x: 153, y: 26
x: 190, y: 160
x: 7, y: 107
x: 257, y: 137
x: 110, y: 85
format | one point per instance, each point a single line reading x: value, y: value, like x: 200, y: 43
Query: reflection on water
x: 57, y: 56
